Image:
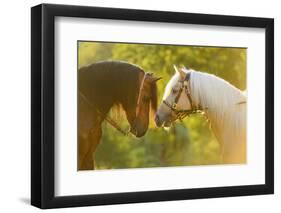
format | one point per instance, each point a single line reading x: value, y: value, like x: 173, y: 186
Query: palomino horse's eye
x: 174, y: 91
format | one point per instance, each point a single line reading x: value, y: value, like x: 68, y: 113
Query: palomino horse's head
x: 176, y: 99
x: 146, y: 98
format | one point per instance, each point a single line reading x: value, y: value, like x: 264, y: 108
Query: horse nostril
x: 157, y: 120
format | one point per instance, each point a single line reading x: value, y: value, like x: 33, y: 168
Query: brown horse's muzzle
x: 138, y: 129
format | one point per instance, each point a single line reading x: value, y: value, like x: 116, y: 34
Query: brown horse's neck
x: 108, y: 83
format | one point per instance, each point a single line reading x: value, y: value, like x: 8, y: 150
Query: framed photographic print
x: 139, y: 106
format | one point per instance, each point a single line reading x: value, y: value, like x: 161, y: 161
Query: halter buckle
x: 174, y: 106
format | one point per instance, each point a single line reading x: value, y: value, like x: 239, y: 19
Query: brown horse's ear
x: 154, y: 79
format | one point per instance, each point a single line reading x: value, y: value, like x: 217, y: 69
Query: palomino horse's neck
x: 220, y: 102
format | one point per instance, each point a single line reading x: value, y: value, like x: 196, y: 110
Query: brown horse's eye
x: 145, y: 99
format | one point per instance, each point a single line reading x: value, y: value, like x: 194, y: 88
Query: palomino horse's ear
x: 180, y: 71
x: 175, y: 68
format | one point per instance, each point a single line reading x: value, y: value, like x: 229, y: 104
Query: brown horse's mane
x: 109, y: 83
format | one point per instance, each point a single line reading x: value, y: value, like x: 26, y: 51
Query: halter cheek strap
x: 183, y: 113
x: 187, y: 90
x: 140, y: 93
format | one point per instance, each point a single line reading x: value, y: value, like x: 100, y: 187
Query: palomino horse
x: 103, y: 85
x: 189, y: 91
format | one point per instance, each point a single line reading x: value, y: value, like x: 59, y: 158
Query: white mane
x: 215, y: 94
x: 224, y: 105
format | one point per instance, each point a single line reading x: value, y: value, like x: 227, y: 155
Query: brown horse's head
x: 116, y: 82
x: 146, y: 98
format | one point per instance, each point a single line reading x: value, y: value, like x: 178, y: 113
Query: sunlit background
x: 190, y: 142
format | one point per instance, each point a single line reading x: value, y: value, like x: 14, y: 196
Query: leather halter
x: 180, y: 114
x: 107, y: 118
x: 140, y: 92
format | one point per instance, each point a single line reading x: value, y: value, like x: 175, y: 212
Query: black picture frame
x: 43, y: 102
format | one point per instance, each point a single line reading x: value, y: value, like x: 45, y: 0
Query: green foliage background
x: 187, y: 143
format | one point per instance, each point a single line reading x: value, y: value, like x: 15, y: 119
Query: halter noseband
x: 180, y: 114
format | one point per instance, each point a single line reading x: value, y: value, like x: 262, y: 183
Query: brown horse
x: 103, y: 85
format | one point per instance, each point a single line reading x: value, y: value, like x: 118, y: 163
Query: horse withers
x: 103, y: 85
